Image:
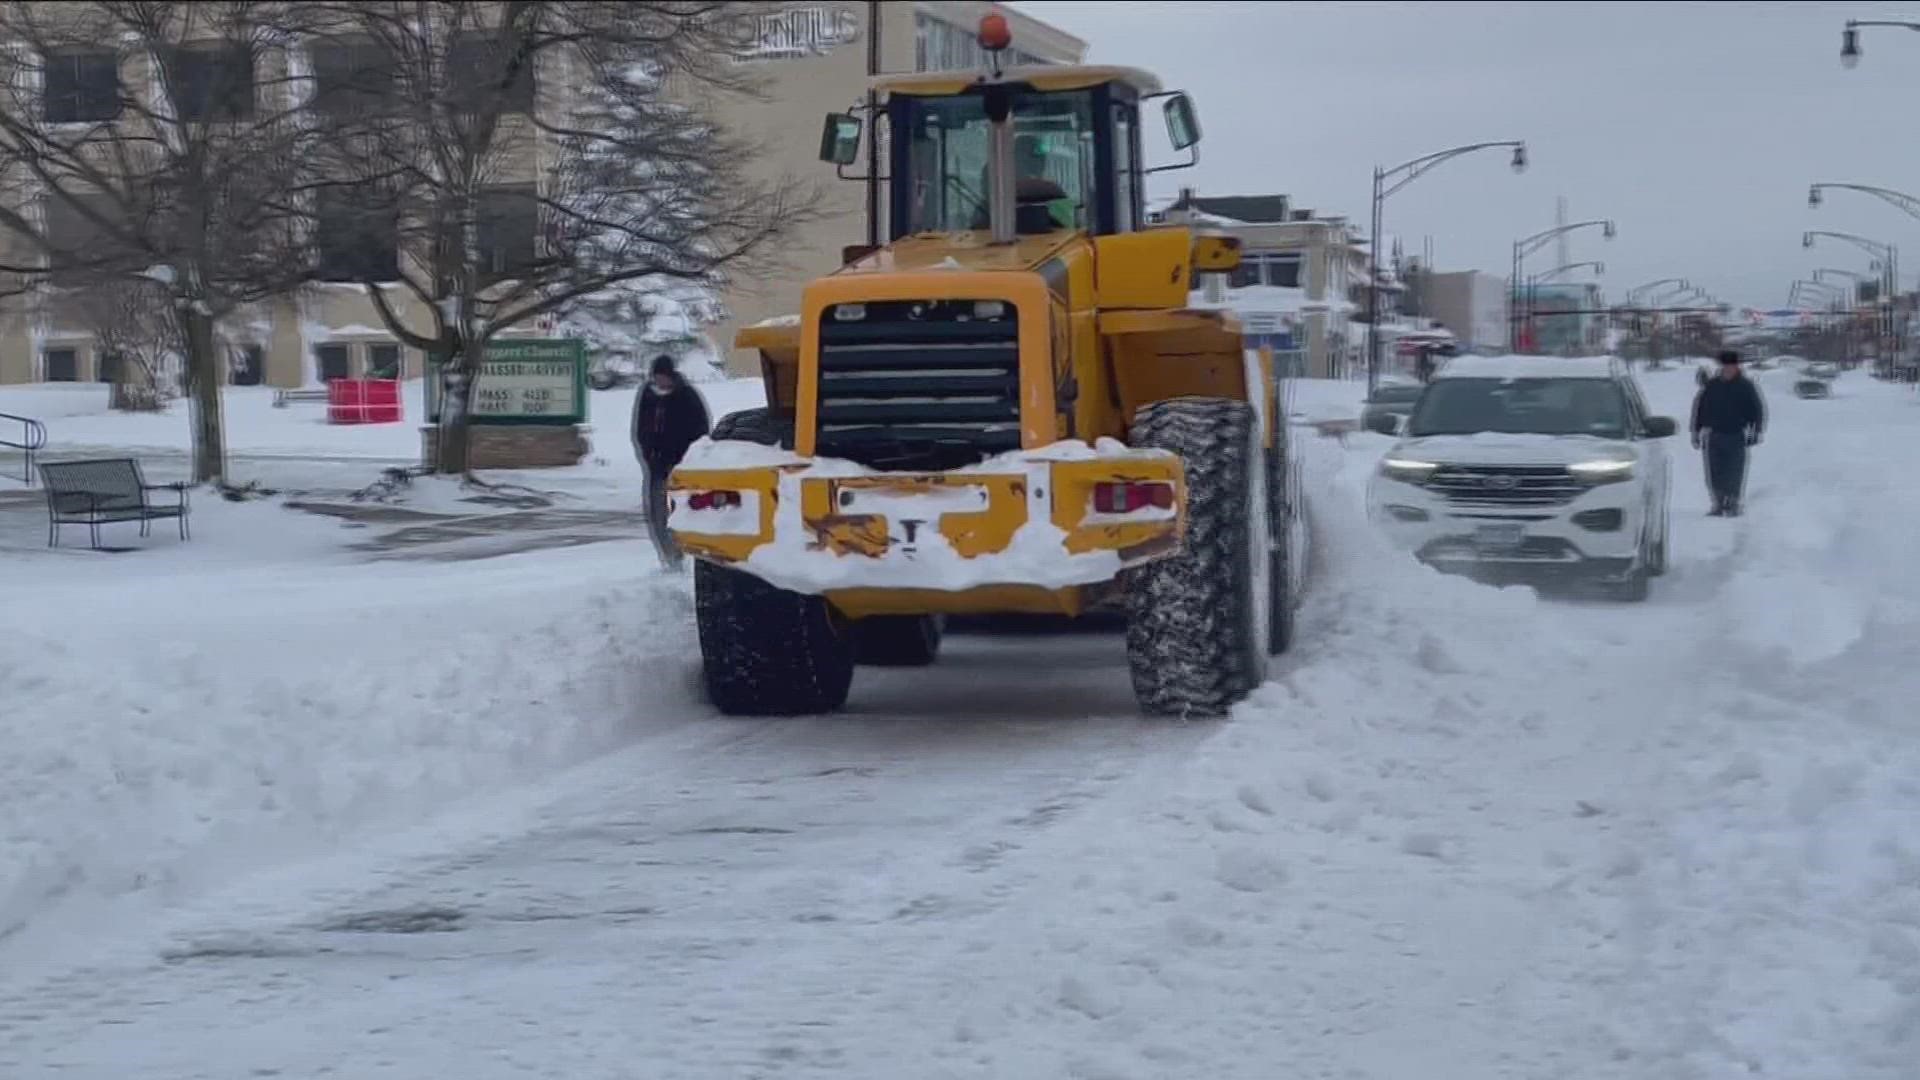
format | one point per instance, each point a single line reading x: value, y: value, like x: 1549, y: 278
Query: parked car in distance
x: 1816, y: 380
x: 1534, y: 470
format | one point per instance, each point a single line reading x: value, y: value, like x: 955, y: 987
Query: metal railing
x: 33, y: 438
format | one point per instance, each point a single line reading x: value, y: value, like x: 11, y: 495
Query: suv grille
x: 1505, y: 485
x: 919, y: 384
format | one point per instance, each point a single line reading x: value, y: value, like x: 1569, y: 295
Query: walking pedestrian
x: 1728, y: 418
x: 669, y: 416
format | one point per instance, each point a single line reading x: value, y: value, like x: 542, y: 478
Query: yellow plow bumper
x: 1026, y: 518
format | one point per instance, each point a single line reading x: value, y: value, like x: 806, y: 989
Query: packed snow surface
x: 277, y: 812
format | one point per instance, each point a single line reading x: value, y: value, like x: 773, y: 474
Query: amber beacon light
x: 994, y: 34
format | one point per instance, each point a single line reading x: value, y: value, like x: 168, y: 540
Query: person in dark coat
x: 668, y: 418
x: 1728, y: 417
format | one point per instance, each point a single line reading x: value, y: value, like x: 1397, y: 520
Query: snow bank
x: 1469, y: 832
x: 223, y: 722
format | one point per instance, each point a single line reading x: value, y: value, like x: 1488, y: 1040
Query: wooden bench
x: 283, y: 398
x: 99, y: 492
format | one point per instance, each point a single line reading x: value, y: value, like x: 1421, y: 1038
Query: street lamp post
x: 1850, y: 37
x: 1385, y: 183
x: 1531, y: 244
x: 1890, y: 335
x: 1599, y: 270
x: 1638, y: 290
x: 1852, y: 305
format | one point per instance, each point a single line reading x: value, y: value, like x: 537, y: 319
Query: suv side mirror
x: 840, y: 139
x: 1383, y: 423
x: 1183, y: 127
x: 1660, y: 427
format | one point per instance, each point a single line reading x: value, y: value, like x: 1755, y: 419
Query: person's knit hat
x: 663, y: 365
x: 1729, y: 356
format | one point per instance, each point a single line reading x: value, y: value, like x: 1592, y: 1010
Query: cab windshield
x: 947, y: 156
x: 1521, y: 407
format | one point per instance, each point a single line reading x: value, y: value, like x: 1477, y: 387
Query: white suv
x: 1531, y: 469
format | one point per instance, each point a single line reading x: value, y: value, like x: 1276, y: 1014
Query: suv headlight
x: 1407, y: 470
x: 1602, y: 470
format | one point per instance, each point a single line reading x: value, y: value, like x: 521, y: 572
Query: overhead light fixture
x: 1520, y: 158
x: 1813, y: 195
x: 1850, y: 47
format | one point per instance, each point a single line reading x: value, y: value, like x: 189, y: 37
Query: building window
x: 351, y: 79
x: 212, y: 83
x: 354, y: 241
x: 941, y: 46
x: 63, y: 365
x: 1278, y: 270
x: 483, y: 62
x: 81, y: 86
x: 383, y: 361
x: 334, y: 362
x: 1282, y: 270
x: 508, y: 223
x: 248, y: 365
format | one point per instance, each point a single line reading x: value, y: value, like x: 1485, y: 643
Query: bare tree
x: 150, y: 143
x: 525, y: 155
x: 134, y: 329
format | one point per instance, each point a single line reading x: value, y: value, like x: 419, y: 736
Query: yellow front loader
x: 1009, y: 408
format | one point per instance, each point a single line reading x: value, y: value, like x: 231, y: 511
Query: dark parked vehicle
x: 1389, y: 406
x: 1816, y: 381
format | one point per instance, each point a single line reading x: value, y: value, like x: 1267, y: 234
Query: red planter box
x: 364, y: 401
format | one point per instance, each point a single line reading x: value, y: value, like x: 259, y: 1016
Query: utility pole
x: 873, y: 125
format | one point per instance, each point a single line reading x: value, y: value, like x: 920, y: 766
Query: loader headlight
x: 849, y: 312
x: 1602, y: 470
x: 1407, y: 470
x: 989, y: 309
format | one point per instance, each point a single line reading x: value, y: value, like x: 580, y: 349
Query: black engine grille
x: 1505, y: 485
x: 919, y: 384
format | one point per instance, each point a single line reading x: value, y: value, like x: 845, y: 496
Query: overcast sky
x: 1697, y: 127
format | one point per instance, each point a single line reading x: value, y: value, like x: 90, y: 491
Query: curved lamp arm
x: 1901, y: 199
x: 1408, y: 171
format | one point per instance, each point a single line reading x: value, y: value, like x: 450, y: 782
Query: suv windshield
x: 1052, y: 140
x: 1521, y: 407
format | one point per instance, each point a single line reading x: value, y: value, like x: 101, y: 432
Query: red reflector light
x: 1123, y: 497
x: 712, y: 500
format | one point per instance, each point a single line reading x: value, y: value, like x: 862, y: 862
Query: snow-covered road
x: 1464, y: 833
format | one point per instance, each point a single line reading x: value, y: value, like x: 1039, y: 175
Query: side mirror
x: 840, y: 139
x: 1660, y: 427
x: 1183, y: 127
x: 1383, y: 423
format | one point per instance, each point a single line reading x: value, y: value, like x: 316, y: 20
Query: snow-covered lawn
x: 301, y: 815
x: 78, y: 419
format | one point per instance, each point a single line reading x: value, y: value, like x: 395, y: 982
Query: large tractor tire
x: 767, y: 651
x: 1199, y: 624
x: 1283, y: 495
x: 897, y: 640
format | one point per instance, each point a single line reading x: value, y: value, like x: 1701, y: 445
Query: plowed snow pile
x: 1464, y: 832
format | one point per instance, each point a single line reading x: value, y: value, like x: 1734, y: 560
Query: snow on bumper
x: 1600, y: 526
x: 1023, y: 518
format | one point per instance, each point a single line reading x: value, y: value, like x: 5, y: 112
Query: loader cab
x: 1071, y: 140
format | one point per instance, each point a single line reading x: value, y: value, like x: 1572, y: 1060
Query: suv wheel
x: 1638, y: 583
